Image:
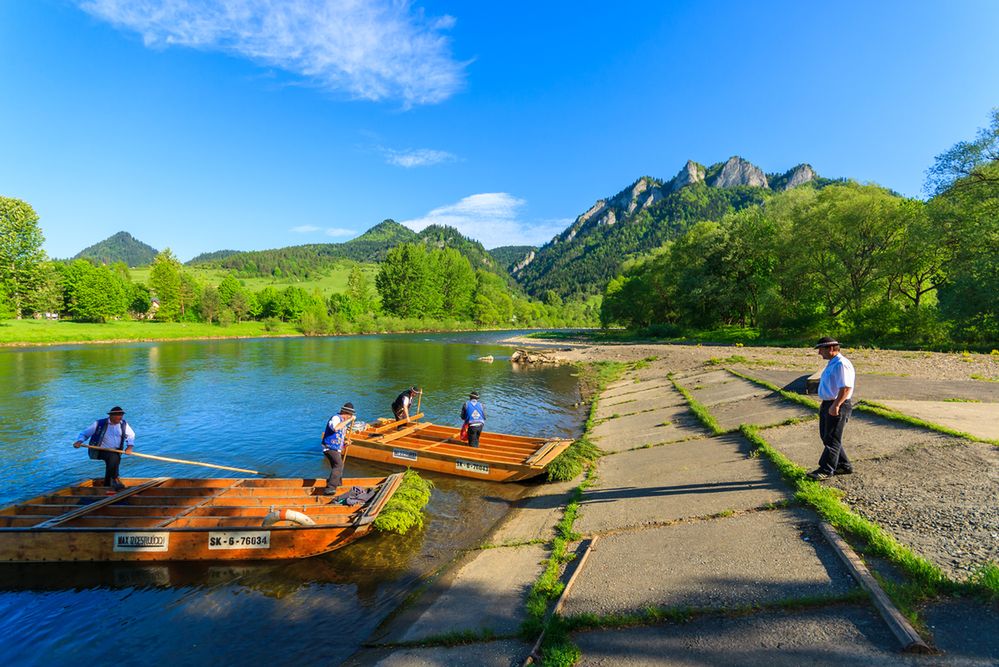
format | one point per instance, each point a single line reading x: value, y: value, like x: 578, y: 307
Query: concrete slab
x: 688, y: 479
x: 852, y: 636
x: 866, y: 438
x: 981, y: 419
x: 760, y: 410
x: 965, y: 629
x: 651, y: 400
x: 747, y: 559
x: 486, y: 592
x: 887, y: 387
x: 624, y: 433
x: 508, y: 653
x: 704, y: 378
x: 534, y: 516
x: 732, y: 389
x: 632, y: 388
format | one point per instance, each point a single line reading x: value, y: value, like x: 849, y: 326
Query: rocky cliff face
x: 606, y: 212
x: 800, y: 175
x: 691, y: 173
x: 736, y: 172
x: 519, y: 266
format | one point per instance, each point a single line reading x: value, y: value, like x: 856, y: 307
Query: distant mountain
x: 509, y: 256
x: 589, y: 252
x: 305, y: 261
x: 120, y: 247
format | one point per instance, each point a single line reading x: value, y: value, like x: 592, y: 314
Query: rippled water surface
x: 258, y: 404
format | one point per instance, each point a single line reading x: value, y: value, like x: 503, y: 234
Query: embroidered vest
x: 98, y: 437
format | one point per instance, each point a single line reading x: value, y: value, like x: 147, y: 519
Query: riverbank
x: 697, y: 538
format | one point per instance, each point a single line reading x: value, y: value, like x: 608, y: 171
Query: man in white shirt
x: 112, y: 433
x: 835, y: 389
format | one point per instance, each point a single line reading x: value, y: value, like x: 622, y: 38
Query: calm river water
x: 257, y: 404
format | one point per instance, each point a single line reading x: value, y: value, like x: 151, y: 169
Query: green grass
x: 886, y: 412
x: 699, y: 410
x: 961, y: 400
x: 55, y: 332
x: 404, y: 510
x: 983, y: 378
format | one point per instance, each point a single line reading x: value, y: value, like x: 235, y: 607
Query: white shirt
x: 112, y: 436
x: 838, y: 373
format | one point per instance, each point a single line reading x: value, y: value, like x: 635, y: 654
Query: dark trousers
x: 336, y: 474
x: 831, y: 432
x: 399, y: 414
x: 111, y: 462
x: 474, y: 431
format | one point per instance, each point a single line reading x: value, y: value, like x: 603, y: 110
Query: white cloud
x: 305, y: 229
x: 340, y: 231
x: 493, y: 218
x: 418, y: 157
x: 368, y: 49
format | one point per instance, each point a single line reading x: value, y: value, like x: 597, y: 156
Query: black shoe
x: 844, y: 470
x: 118, y: 486
x: 818, y: 475
x: 329, y: 491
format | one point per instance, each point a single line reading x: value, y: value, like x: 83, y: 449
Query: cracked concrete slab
x: 486, y: 592
x: 760, y: 411
x: 847, y: 635
x: 687, y: 479
x: 534, y: 516
x: 866, y: 437
x: 748, y: 559
x: 624, y: 433
x: 979, y: 419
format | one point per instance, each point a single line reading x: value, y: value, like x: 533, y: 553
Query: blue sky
x: 250, y: 124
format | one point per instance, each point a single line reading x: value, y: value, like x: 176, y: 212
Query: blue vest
x: 475, y: 413
x: 98, y: 437
x: 332, y: 438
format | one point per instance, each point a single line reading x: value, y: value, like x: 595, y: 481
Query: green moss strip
x: 404, y: 510
x: 699, y: 410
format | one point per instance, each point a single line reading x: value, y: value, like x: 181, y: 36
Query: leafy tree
x: 359, y: 290
x: 99, y: 294
x: 188, y: 296
x: 964, y: 165
x: 210, y: 304
x: 405, y: 284
x: 241, y: 305
x: 21, y: 254
x: 457, y: 282
x: 228, y: 288
x: 164, y: 279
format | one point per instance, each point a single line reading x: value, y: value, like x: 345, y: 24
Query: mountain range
x: 578, y: 262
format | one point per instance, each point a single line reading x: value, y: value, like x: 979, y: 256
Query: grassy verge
x: 404, y: 510
x: 699, y: 410
x: 31, y: 332
x: 886, y: 412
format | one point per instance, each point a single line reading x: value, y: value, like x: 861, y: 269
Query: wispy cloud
x: 305, y: 229
x: 367, y: 49
x: 417, y: 157
x: 493, y: 218
x: 340, y: 231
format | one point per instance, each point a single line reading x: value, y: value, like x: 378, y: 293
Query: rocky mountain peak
x: 800, y: 175
x: 691, y: 173
x: 736, y: 172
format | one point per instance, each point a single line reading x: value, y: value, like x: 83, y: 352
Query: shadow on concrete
x: 594, y: 496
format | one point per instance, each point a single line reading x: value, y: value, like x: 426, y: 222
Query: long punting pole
x: 170, y: 460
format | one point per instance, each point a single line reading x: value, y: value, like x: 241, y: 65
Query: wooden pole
x: 418, y: 399
x: 170, y: 460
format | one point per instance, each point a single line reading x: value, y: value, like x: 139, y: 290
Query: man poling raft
x: 110, y: 433
x: 334, y: 441
x: 400, y: 406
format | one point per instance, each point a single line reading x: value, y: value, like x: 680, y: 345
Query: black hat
x: 116, y: 410
x: 826, y: 341
x: 348, y: 408
x: 474, y: 395
x: 414, y: 390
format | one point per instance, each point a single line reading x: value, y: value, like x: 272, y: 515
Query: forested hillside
x: 120, y: 247
x: 509, y: 256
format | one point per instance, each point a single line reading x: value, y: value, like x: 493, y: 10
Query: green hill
x: 121, y: 247
x: 207, y: 258
x: 509, y: 255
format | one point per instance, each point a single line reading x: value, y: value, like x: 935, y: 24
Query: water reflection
x: 258, y: 404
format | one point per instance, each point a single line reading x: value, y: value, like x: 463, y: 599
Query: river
x: 258, y: 404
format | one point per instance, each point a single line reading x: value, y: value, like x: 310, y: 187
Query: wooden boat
x: 498, y: 458
x: 189, y: 519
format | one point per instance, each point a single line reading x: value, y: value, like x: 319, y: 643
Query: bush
x: 272, y: 324
x: 226, y: 318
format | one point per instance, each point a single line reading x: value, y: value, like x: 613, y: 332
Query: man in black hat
x: 474, y: 415
x: 334, y: 442
x: 111, y: 433
x: 400, y: 406
x: 835, y: 390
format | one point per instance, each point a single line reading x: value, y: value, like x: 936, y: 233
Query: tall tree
x: 21, y: 254
x: 164, y: 279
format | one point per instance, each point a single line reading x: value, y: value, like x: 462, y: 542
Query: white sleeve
x: 87, y: 432
x: 129, y: 435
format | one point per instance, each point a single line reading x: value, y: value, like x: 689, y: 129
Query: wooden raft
x: 166, y: 519
x: 500, y: 457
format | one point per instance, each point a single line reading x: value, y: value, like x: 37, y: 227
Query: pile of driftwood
x: 533, y: 357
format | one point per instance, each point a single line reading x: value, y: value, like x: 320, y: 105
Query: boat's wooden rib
x: 499, y: 457
x: 69, y: 516
x: 176, y: 519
